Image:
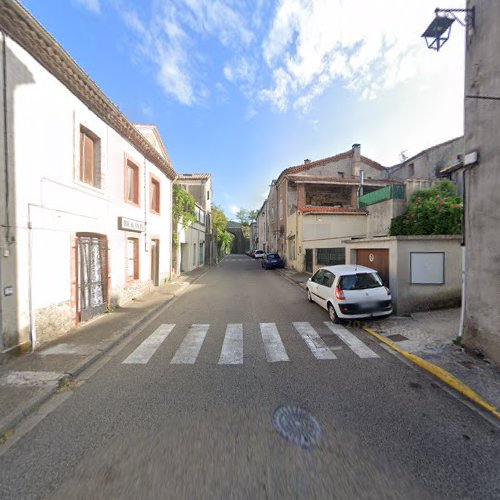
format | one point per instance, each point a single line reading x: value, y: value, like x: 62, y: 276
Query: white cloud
x: 233, y: 209
x: 370, y: 46
x: 92, y: 5
x: 170, y: 40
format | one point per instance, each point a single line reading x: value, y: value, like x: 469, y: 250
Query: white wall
x: 45, y: 123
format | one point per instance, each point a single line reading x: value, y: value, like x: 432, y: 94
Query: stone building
x: 482, y: 180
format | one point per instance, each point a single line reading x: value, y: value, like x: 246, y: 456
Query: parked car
x: 272, y: 261
x: 349, y: 292
x: 259, y: 254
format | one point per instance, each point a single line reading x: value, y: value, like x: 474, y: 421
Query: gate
x: 92, y: 275
x: 309, y: 260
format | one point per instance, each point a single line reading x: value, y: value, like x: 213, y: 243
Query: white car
x: 349, y: 292
x: 259, y: 254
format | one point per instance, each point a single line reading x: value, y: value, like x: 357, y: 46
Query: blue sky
x: 245, y: 89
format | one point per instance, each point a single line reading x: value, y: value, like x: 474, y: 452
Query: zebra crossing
x: 232, y: 352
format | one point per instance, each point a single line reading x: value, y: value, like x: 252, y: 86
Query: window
x: 132, y: 259
x: 411, y: 170
x: 330, y: 256
x: 90, y: 158
x: 208, y: 194
x: 341, y: 175
x: 154, y: 195
x: 328, y: 279
x: 132, y: 183
x: 360, y: 281
x: 281, y: 209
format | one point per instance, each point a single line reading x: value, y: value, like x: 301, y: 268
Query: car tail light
x: 339, y: 294
x: 388, y: 291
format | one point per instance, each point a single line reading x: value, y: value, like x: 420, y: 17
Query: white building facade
x: 85, y: 199
x: 195, y: 244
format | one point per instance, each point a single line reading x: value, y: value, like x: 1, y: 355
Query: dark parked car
x: 272, y: 261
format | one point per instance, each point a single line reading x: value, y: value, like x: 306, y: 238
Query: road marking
x: 232, y: 347
x: 191, y: 345
x: 273, y: 345
x: 146, y: 350
x: 313, y: 341
x: 362, y: 350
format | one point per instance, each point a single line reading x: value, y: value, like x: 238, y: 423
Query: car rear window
x: 273, y: 256
x: 360, y: 281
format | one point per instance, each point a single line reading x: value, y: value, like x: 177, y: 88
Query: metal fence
x: 392, y: 192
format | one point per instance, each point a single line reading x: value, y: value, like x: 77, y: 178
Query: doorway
x: 92, y: 269
x: 155, y: 262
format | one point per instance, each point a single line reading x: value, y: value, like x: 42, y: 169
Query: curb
x: 8, y: 423
x: 297, y: 283
x: 439, y: 373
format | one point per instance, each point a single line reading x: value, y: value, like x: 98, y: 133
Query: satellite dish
x: 402, y: 156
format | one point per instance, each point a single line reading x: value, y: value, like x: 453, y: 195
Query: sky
x: 244, y: 89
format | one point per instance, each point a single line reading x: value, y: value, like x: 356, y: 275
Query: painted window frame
x: 96, y: 161
x: 137, y: 268
x: 129, y: 161
x: 154, y: 180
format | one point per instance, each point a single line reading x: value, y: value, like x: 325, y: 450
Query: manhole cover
x: 297, y: 426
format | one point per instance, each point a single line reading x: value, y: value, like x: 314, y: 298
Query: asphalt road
x: 189, y: 414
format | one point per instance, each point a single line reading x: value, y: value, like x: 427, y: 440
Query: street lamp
x: 438, y: 32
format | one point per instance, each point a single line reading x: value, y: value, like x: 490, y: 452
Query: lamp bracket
x: 469, y: 17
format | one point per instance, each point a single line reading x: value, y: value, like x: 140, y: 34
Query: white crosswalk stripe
x: 360, y: 349
x: 233, y: 344
x: 144, y: 352
x: 191, y: 345
x: 315, y: 343
x: 232, y: 348
x: 273, y: 345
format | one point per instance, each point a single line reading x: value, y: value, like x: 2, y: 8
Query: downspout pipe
x: 6, y: 176
x: 5, y: 140
x: 30, y: 282
x: 458, y: 339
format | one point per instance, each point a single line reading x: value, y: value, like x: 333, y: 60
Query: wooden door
x: 376, y: 258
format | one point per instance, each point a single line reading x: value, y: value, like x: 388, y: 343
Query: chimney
x: 356, y: 159
x: 306, y: 161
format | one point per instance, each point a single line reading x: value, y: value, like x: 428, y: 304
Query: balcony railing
x: 392, y: 192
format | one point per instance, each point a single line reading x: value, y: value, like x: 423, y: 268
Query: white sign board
x: 427, y: 268
x: 130, y: 225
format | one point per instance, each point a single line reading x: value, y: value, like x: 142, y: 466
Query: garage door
x: 376, y: 258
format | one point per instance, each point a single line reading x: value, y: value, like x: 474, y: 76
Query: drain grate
x: 397, y: 337
x: 297, y: 426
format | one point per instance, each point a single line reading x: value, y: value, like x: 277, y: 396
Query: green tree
x: 224, y: 237
x: 245, y: 218
x: 437, y: 210
x: 183, y: 210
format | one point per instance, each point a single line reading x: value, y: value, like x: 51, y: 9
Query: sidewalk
x: 30, y: 379
x: 430, y: 336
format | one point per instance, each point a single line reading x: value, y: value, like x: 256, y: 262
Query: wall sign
x: 427, y: 268
x: 130, y: 225
x: 371, y: 257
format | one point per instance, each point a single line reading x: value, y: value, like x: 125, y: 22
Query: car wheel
x: 333, y: 315
x: 309, y: 298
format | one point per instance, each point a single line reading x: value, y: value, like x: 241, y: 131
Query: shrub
x: 437, y: 210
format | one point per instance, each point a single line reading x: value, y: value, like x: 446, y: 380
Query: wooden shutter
x: 87, y: 167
